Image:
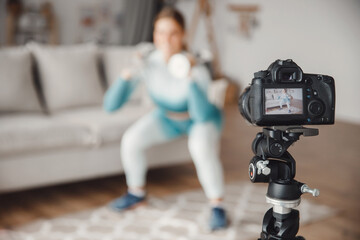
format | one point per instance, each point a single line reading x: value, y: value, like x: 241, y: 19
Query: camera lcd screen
x: 283, y: 101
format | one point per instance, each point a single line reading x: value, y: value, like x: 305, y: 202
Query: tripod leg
x: 280, y: 226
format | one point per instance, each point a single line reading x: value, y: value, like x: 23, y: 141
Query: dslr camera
x: 284, y: 95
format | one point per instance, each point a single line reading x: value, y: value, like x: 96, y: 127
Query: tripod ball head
x: 266, y: 146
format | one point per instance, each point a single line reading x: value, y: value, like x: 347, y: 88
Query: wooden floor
x: 330, y: 162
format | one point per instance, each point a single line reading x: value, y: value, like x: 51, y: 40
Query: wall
x: 68, y: 11
x: 322, y: 36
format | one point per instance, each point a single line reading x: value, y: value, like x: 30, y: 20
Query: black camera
x: 284, y: 95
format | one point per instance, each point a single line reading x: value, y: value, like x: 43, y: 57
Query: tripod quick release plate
x: 307, y: 132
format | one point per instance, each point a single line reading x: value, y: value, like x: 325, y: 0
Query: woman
x: 182, y: 108
x: 285, y: 99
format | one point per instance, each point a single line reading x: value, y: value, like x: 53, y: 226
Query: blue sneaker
x: 128, y: 201
x: 218, y: 219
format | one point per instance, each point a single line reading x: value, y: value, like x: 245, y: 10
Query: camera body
x: 283, y: 95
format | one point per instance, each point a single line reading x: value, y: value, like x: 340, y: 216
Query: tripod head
x: 272, y: 161
x: 273, y: 164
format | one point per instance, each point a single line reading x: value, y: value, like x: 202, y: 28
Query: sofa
x: 53, y: 128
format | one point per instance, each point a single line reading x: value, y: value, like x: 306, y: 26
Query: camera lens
x: 244, y: 104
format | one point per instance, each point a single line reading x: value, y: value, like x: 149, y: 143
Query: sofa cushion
x: 108, y: 127
x: 69, y: 75
x: 23, y: 133
x: 17, y: 90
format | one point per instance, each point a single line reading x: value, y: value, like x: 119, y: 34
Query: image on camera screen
x: 283, y: 101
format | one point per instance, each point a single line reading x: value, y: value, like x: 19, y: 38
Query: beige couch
x: 52, y: 126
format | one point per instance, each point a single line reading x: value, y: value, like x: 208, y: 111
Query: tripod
x: 273, y: 164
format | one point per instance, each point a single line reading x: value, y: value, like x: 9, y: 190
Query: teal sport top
x: 168, y: 92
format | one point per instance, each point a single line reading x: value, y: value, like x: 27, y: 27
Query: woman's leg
x: 204, y: 146
x: 204, y: 149
x: 144, y: 133
x: 281, y: 103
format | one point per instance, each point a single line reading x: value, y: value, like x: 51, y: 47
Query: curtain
x: 138, y: 20
x: 2, y: 21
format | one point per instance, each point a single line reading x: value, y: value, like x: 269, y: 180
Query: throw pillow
x: 69, y: 75
x: 17, y: 89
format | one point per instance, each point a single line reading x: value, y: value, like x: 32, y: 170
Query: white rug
x: 179, y: 217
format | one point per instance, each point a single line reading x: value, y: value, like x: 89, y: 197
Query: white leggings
x: 203, y: 144
x: 287, y: 103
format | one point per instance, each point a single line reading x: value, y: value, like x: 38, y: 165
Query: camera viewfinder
x: 289, y: 75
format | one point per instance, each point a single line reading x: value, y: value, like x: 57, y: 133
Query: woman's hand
x: 137, y: 62
x: 126, y: 74
x: 192, y: 61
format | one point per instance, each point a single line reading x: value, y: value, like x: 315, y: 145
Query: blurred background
x: 321, y: 36
x: 78, y: 141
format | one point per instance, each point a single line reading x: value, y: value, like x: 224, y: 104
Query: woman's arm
x: 200, y: 109
x: 118, y: 94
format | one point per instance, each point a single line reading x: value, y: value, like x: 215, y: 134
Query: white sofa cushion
x: 107, y: 127
x: 24, y: 133
x: 17, y: 90
x: 69, y: 75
